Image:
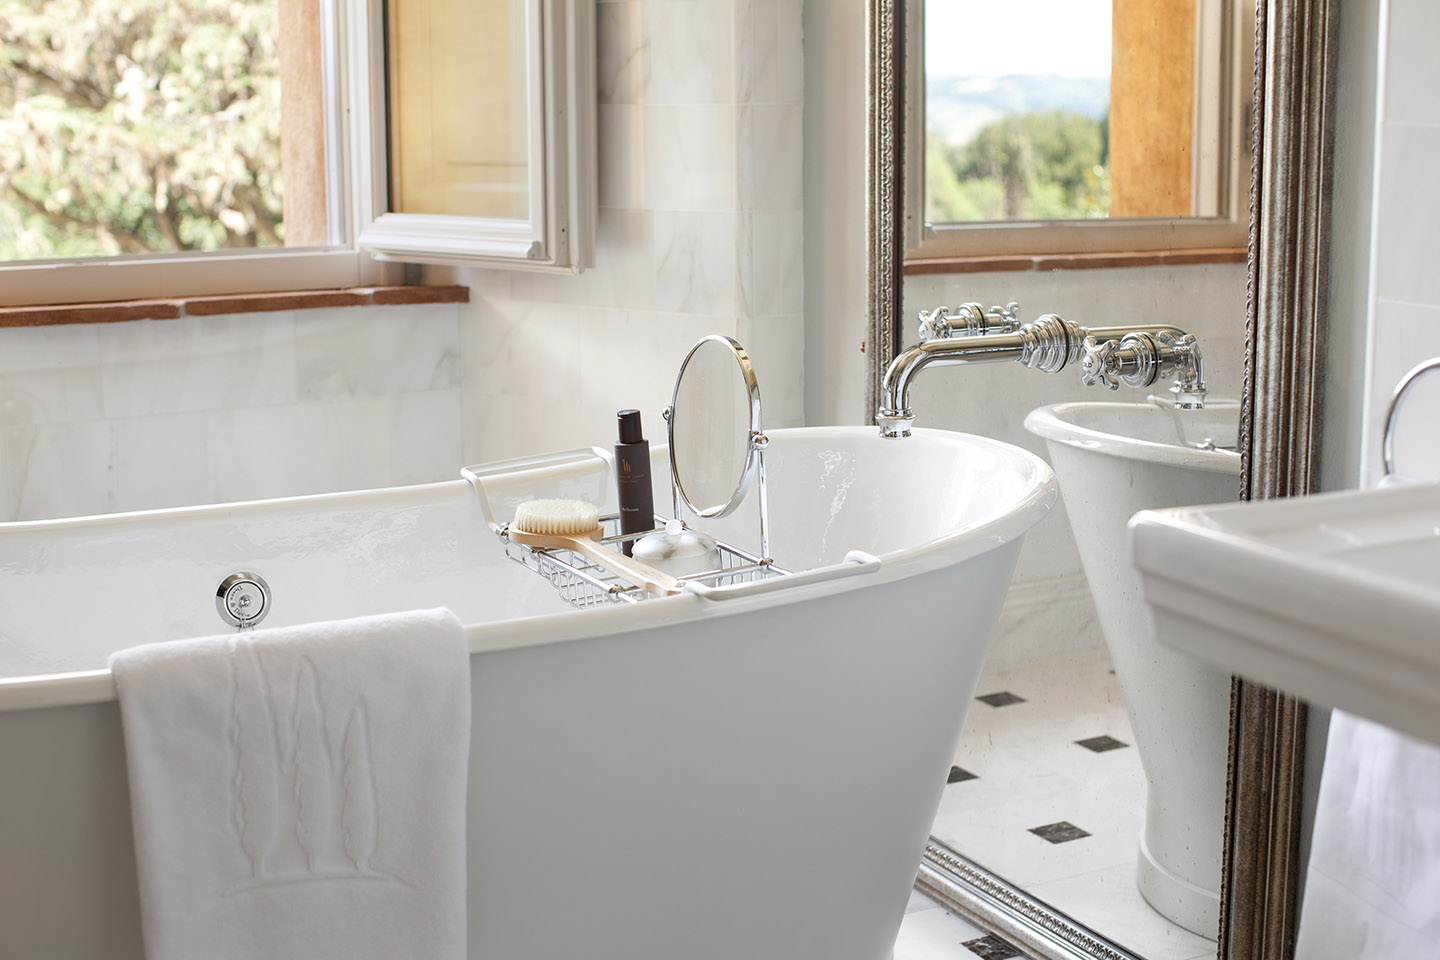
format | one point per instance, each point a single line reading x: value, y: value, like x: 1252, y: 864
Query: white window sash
x: 558, y: 234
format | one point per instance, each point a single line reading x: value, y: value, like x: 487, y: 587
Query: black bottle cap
x: 630, y: 431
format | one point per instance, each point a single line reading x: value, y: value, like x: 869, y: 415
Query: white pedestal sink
x: 1334, y: 598
x: 1112, y: 460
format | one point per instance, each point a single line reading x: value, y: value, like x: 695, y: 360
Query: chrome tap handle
x: 1098, y: 363
x: 935, y: 324
x: 968, y: 320
x: 1004, y: 319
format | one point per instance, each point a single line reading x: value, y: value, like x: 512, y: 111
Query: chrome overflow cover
x: 243, y: 599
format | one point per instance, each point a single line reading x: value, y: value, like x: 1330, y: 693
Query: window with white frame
x: 1073, y: 126
x: 184, y: 147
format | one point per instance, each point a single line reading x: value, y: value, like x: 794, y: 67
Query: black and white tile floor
x: 1047, y: 791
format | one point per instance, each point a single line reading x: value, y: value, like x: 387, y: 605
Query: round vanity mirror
x: 714, y: 427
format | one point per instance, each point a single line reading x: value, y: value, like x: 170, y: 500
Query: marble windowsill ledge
x: 174, y: 308
x: 1075, y: 261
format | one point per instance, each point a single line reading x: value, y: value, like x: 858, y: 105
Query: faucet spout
x: 1133, y: 354
x: 894, y: 415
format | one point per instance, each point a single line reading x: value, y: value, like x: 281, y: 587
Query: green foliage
x: 1031, y: 166
x: 136, y: 126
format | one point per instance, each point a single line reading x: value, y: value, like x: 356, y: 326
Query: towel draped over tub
x: 300, y: 792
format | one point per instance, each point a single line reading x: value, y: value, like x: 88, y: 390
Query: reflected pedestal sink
x: 1112, y: 460
x: 1334, y: 598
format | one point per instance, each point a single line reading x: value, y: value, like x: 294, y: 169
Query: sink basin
x: 1334, y: 598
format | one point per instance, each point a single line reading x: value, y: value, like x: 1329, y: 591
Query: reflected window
x: 1067, y: 112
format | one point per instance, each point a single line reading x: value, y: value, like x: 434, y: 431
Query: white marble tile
x: 775, y: 255
x: 772, y: 154
x: 623, y: 274
x: 1410, y: 62
x: 770, y: 64
x: 690, y: 157
x: 53, y: 470
x: 326, y: 446
x: 1407, y: 245
x: 1402, y: 336
x: 1043, y: 618
x: 197, y: 363
x: 621, y: 135
x: 49, y: 374
x: 488, y: 429
x: 692, y: 52
x: 377, y: 351
x: 776, y: 346
x: 523, y: 351
x: 161, y: 462
x: 278, y: 451
x: 622, y: 53
x: 695, y: 263
x: 405, y: 439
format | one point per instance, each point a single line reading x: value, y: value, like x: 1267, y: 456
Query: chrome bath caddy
x: 582, y: 583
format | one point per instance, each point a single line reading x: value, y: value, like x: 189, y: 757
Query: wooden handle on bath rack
x: 584, y: 541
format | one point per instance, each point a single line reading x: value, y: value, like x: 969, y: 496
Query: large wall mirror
x: 1273, y: 306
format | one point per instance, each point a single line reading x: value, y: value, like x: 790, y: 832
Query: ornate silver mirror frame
x: 1295, y: 55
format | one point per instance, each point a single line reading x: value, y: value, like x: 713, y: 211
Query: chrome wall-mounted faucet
x: 1135, y: 355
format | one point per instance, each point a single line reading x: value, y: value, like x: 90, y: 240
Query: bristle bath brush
x: 575, y: 525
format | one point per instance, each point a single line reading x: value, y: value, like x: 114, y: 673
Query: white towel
x: 1373, y: 886
x: 300, y: 792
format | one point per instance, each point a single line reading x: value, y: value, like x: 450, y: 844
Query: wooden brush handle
x: 628, y: 567
x: 616, y: 562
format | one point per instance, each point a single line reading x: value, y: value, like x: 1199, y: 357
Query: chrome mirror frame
x: 1292, y: 135
x: 754, y: 452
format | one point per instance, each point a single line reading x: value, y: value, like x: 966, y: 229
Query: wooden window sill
x: 173, y: 309
x: 1075, y: 261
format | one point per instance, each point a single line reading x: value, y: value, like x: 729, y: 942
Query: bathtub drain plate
x: 243, y: 599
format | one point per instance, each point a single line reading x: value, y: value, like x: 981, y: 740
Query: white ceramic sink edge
x: 1334, y: 598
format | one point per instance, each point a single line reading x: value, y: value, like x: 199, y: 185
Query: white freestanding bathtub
x: 1114, y: 460
x: 752, y: 773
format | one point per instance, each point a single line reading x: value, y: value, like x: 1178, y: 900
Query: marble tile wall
x: 96, y: 418
x: 1404, y: 326
x: 700, y: 231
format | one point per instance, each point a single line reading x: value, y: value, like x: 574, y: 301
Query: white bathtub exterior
x: 747, y: 777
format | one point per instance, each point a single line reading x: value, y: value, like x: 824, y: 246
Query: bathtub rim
x: 74, y: 688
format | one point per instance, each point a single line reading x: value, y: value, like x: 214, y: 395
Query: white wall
x: 1404, y: 291
x: 96, y: 418
x: 835, y: 203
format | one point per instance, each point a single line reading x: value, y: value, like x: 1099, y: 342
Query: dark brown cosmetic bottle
x: 632, y: 478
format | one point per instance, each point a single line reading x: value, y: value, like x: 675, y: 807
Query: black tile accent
x: 1002, y: 699
x: 1102, y: 743
x: 959, y: 775
x: 991, y: 948
x: 1059, y: 832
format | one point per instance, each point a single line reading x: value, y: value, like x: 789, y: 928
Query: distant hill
x: 958, y: 106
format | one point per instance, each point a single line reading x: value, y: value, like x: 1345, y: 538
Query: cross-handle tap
x: 1140, y: 358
